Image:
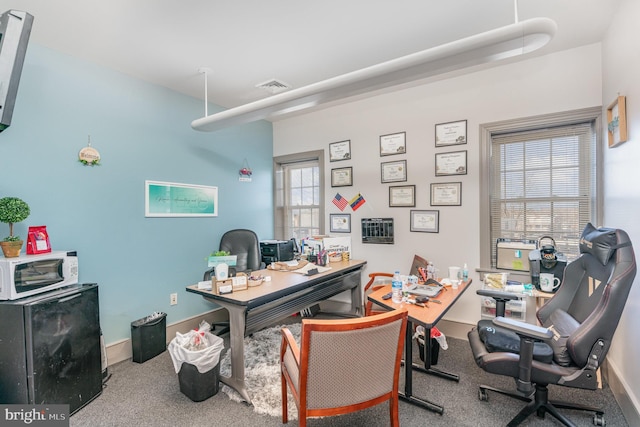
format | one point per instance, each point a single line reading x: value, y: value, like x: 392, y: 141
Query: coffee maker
x: 546, y: 259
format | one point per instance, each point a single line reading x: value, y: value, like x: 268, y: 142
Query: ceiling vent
x: 273, y: 86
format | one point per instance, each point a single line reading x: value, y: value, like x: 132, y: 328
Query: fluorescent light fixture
x: 494, y: 45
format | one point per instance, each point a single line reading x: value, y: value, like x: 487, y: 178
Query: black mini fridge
x: 50, y: 348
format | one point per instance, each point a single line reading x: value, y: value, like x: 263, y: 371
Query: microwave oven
x: 28, y: 275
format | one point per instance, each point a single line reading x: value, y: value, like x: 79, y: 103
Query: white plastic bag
x: 435, y: 333
x: 198, y: 347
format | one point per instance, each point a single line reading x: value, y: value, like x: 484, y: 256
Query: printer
x: 278, y: 250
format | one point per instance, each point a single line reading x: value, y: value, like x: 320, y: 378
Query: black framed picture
x: 342, y: 177
x: 452, y: 133
x: 340, y: 150
x: 394, y: 143
x: 425, y: 221
x: 451, y: 163
x: 402, y: 196
x: 340, y: 223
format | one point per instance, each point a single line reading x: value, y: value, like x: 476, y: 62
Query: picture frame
x: 451, y: 163
x: 446, y: 194
x: 340, y: 223
x: 393, y: 143
x: 393, y: 171
x: 451, y: 133
x: 340, y: 150
x: 171, y: 199
x: 617, y: 121
x: 342, y: 177
x: 424, y: 221
x: 402, y: 196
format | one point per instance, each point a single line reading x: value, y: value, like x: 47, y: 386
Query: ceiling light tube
x: 494, y: 45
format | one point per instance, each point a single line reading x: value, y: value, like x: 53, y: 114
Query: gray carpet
x: 148, y: 394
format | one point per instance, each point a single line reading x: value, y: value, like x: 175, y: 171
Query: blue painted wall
x: 142, y: 131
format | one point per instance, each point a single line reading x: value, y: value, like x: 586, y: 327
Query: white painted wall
x: 558, y: 82
x: 621, y: 68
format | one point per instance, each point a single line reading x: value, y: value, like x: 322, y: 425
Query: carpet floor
x: 148, y: 394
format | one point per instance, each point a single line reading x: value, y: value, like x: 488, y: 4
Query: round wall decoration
x: 89, y: 156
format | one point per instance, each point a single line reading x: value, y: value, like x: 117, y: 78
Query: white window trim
x: 523, y: 124
x: 318, y: 155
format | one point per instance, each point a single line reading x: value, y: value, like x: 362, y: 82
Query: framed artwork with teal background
x: 170, y: 199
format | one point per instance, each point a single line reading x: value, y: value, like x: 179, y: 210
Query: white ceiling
x: 247, y: 42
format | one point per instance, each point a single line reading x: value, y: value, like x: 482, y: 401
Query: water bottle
x: 465, y: 272
x: 396, y: 288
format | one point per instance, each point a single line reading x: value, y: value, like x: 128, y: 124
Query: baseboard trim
x: 618, y: 387
x: 121, y: 350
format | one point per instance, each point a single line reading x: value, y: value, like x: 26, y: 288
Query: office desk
x: 427, y: 317
x: 287, y: 293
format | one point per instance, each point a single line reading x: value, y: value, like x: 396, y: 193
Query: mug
x: 548, y: 282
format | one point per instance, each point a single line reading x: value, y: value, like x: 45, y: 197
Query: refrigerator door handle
x: 69, y: 298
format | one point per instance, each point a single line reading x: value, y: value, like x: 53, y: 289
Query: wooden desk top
x: 429, y: 315
x: 281, y: 283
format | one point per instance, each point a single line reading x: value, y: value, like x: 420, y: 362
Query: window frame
x: 487, y: 130
x: 279, y: 226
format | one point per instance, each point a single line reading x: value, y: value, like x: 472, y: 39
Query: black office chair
x: 578, y: 325
x: 246, y: 246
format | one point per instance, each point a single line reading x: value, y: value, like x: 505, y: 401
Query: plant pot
x: 11, y: 249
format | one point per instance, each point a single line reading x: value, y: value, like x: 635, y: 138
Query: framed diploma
x: 402, y: 196
x: 452, y: 133
x: 342, y: 177
x: 452, y: 163
x: 340, y: 223
x: 394, y: 143
x: 446, y: 194
x: 340, y: 151
x: 425, y: 221
x: 393, y: 171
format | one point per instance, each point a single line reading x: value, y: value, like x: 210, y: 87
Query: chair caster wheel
x: 598, y: 420
x: 483, y: 396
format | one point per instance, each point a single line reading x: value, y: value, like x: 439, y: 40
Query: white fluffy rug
x: 262, y: 372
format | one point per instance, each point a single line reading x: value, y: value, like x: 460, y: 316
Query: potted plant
x: 12, y: 210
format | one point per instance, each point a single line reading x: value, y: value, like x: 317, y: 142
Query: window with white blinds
x: 543, y: 183
x: 299, y: 196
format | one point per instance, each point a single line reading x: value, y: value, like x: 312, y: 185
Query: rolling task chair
x: 578, y: 324
x: 331, y: 372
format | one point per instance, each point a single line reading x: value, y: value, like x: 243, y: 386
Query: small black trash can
x: 149, y: 337
x: 198, y: 386
x: 435, y: 350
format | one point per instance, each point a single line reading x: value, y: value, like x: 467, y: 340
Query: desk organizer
x: 231, y: 284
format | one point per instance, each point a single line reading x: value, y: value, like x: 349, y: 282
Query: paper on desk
x: 309, y: 266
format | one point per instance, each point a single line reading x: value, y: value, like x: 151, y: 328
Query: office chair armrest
x: 498, y: 295
x: 289, y: 342
x: 528, y: 335
x: 373, y: 277
x: 523, y: 328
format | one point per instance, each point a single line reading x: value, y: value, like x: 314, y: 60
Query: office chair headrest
x: 600, y: 242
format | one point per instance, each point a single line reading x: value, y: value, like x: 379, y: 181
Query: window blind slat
x: 542, y: 183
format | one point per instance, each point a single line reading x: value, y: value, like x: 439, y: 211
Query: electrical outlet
x: 173, y: 299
